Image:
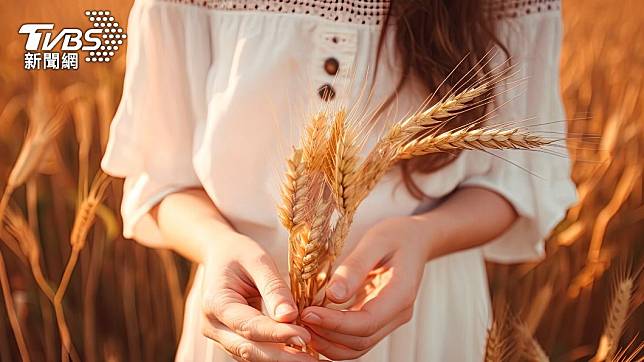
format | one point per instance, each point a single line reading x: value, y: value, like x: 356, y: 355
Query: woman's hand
x: 239, y: 276
x: 383, y: 273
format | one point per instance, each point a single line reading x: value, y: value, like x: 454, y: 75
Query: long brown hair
x: 439, y: 42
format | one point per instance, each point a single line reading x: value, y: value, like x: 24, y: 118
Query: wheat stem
x: 84, y: 220
x: 11, y: 311
x: 4, y: 202
x: 65, y: 336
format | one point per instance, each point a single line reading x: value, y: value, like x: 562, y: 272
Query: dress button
x: 326, y: 92
x: 331, y: 66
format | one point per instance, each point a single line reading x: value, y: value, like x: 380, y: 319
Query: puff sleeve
x: 151, y: 137
x: 536, y: 183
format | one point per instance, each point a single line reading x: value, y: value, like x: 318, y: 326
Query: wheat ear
x: 294, y: 191
x: 440, y: 111
x: 495, y: 346
x: 11, y: 311
x: 39, y: 136
x: 314, y: 144
x: 615, y: 319
x: 530, y: 348
x: 388, y: 149
x: 476, y: 139
x: 498, y: 346
x: 342, y: 163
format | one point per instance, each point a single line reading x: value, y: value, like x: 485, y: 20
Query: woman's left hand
x: 383, y: 273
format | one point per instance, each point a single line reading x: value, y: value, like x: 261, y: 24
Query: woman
x: 215, y: 93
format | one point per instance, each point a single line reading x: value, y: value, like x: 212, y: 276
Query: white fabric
x: 215, y: 98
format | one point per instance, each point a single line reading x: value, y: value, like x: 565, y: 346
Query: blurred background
x: 71, y: 282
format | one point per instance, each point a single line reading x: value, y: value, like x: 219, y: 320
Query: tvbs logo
x: 98, y: 43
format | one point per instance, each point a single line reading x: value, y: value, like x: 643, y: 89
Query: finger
x: 275, y: 293
x: 352, y: 272
x: 332, y: 350
x: 231, y: 309
x: 393, y: 298
x: 245, y: 350
x: 362, y: 343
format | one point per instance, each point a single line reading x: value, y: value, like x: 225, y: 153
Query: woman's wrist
x: 211, y: 236
x: 426, y: 233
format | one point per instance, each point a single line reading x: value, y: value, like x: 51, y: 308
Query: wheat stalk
x: 39, y: 135
x: 11, y: 311
x: 18, y: 227
x: 82, y: 223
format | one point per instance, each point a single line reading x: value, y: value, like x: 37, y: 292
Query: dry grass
x: 119, y: 296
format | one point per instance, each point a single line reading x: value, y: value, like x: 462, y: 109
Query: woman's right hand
x: 239, y: 277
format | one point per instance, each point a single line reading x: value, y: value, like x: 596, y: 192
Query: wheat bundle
x: 326, y: 179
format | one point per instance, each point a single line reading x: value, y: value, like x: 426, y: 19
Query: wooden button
x: 326, y: 92
x: 331, y: 66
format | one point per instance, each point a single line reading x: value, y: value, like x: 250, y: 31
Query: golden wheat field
x: 73, y: 288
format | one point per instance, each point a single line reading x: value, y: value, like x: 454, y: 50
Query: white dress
x: 216, y: 92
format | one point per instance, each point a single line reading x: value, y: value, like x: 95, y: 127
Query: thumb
x: 352, y: 272
x: 274, y: 291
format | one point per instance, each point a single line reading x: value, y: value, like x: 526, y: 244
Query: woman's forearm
x: 189, y: 222
x: 470, y: 217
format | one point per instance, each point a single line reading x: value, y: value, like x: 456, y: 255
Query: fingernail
x: 338, y: 289
x: 284, y: 309
x: 311, y: 318
x: 297, y: 340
